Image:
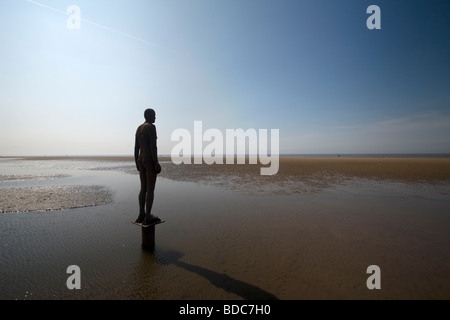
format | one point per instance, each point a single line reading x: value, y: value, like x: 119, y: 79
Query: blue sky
x: 311, y: 69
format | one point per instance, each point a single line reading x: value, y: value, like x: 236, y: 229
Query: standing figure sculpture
x: 146, y: 158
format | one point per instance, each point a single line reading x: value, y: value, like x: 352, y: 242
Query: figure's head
x: 150, y: 115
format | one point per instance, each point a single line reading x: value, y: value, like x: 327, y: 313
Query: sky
x: 310, y: 68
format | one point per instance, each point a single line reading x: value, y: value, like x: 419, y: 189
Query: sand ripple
x: 50, y: 198
x: 5, y: 178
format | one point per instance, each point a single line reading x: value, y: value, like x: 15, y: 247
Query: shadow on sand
x: 243, y: 289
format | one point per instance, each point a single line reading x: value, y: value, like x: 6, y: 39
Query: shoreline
x: 281, y: 156
x: 427, y: 168
x: 294, y: 174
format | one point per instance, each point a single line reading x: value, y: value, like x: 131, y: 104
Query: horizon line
x: 441, y: 154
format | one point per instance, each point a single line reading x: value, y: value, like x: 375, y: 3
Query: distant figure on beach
x: 146, y: 158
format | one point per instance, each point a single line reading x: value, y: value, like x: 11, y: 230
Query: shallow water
x: 221, y: 244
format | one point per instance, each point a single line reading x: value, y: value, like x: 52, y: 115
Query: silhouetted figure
x: 146, y: 157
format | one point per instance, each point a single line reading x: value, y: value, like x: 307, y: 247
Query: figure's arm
x: 154, y: 151
x: 136, y: 152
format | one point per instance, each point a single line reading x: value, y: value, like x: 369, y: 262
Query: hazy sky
x: 310, y: 68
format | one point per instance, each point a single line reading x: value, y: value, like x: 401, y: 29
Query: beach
x: 308, y: 232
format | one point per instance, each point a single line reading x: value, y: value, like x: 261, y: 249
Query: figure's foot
x: 140, y: 219
x: 150, y: 219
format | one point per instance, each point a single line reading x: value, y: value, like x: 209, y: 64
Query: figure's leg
x: 151, y: 182
x: 142, y: 193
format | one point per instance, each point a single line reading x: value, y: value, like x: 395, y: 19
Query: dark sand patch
x: 300, y: 175
x: 51, y: 198
x: 309, y: 175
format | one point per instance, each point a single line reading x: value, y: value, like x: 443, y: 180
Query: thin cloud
x: 99, y: 25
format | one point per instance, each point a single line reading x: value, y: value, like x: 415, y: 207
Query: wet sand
x: 300, y: 175
x: 309, y: 232
x: 297, y: 174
